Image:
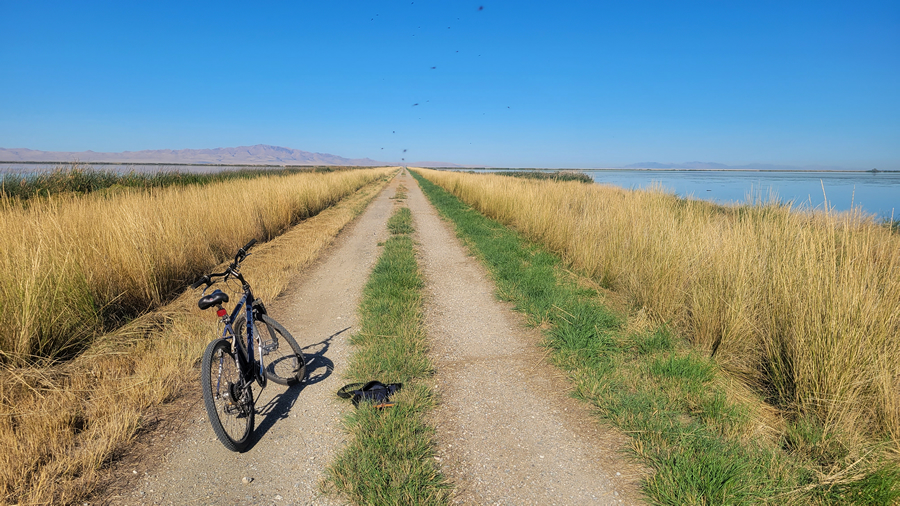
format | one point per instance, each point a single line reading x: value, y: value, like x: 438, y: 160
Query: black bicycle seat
x: 213, y: 299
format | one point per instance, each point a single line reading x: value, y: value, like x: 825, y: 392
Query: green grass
x: 891, y: 223
x: 401, y: 222
x: 81, y: 178
x: 401, y: 193
x: 389, y: 456
x: 653, y: 387
x: 556, y: 175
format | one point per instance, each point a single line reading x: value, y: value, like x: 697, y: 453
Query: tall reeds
x: 74, y: 266
x: 83, y: 178
x: 803, y: 305
x: 62, y: 423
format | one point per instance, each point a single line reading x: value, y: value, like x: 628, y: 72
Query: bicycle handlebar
x: 204, y: 279
x: 242, y: 254
x: 232, y: 269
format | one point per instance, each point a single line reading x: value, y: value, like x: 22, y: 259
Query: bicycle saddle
x: 213, y: 299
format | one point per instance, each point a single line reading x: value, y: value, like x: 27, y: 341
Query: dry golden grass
x: 60, y: 423
x: 803, y: 306
x: 70, y: 265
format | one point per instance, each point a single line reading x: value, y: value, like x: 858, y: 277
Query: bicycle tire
x: 285, y: 365
x: 231, y: 421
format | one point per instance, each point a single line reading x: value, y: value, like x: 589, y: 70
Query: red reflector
x: 222, y: 312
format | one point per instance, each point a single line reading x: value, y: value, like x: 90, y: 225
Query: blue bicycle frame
x: 245, y: 356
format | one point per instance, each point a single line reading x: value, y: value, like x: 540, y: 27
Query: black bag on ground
x: 373, y: 391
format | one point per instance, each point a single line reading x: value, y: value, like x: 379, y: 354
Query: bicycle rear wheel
x: 229, y: 402
x: 282, y: 355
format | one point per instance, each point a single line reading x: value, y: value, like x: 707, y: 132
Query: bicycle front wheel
x: 229, y: 402
x: 281, y: 354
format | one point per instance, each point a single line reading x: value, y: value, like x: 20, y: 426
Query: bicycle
x: 231, y: 363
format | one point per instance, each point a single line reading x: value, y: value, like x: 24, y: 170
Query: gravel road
x: 508, y: 433
x: 298, y: 428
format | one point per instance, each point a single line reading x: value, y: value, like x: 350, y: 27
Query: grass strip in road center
x: 671, y: 401
x: 389, y: 458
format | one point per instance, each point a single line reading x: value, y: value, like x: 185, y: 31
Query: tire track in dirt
x: 507, y: 430
x: 298, y: 428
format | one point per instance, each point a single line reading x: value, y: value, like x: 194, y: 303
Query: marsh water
x: 876, y: 193
x: 27, y: 169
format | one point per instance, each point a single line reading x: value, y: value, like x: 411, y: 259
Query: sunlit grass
x: 81, y: 178
x: 74, y: 266
x: 60, y: 424
x: 802, y: 307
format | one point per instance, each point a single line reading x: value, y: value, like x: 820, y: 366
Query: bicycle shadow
x: 318, y: 367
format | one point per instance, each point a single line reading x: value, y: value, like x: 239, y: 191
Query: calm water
x: 37, y: 168
x: 876, y: 193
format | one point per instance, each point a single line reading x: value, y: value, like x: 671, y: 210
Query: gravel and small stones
x: 507, y: 430
x: 298, y: 429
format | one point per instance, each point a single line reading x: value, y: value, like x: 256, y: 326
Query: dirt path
x: 298, y: 429
x: 508, y: 432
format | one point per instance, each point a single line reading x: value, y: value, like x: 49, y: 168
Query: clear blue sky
x: 550, y: 84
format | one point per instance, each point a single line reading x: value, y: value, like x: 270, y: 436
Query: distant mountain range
x: 260, y: 154
x: 722, y: 166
